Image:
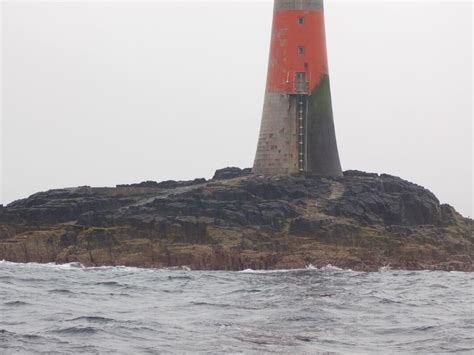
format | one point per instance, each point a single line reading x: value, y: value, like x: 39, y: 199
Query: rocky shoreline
x: 238, y: 220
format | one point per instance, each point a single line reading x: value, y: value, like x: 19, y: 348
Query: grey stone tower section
x: 297, y: 133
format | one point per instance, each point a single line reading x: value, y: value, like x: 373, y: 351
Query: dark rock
x: 349, y: 173
x: 362, y: 221
x: 303, y: 225
x: 149, y: 184
x: 448, y: 214
x: 401, y: 230
x: 67, y: 239
x: 231, y: 173
x: 266, y: 189
x: 386, y: 200
x: 169, y: 184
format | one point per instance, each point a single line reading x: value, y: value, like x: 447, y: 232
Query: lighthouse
x: 297, y: 133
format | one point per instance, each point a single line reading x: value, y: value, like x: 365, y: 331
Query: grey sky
x: 101, y: 93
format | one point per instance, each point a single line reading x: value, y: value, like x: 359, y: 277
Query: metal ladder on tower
x: 301, y: 133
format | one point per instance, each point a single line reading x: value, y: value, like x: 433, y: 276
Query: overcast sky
x: 104, y: 93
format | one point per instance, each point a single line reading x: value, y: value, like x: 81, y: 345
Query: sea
x: 70, y: 309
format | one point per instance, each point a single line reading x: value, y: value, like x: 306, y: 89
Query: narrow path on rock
x: 166, y: 193
x: 337, y: 190
x: 314, y: 208
x: 181, y: 190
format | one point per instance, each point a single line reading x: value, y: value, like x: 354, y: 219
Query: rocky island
x: 238, y: 220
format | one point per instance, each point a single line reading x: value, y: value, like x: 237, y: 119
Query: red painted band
x: 298, y: 45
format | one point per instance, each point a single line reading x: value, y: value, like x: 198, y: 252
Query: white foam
x: 248, y: 271
x: 309, y: 267
x: 385, y: 268
x: 330, y: 267
x: 75, y: 266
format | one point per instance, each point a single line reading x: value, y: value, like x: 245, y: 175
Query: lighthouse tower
x: 297, y: 132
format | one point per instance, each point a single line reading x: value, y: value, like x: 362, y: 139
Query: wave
x: 276, y: 271
x: 67, y: 266
x: 61, y: 291
x: 246, y: 291
x: 309, y: 267
x: 109, y: 283
x: 92, y: 319
x: 5, y: 333
x: 16, y: 304
x: 79, y: 266
x: 183, y: 277
x: 219, y: 305
x: 180, y: 268
x: 77, y: 331
x: 298, y: 306
x: 75, y: 266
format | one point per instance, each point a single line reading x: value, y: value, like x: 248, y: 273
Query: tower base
x: 280, y: 149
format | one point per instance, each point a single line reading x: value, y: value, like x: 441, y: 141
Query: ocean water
x: 70, y: 309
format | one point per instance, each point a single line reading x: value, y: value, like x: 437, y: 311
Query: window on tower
x: 301, y: 20
x: 301, y: 50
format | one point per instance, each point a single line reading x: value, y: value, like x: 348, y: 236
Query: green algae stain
x: 322, y: 152
x: 320, y: 103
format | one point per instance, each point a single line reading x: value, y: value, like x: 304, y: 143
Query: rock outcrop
x: 238, y: 220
